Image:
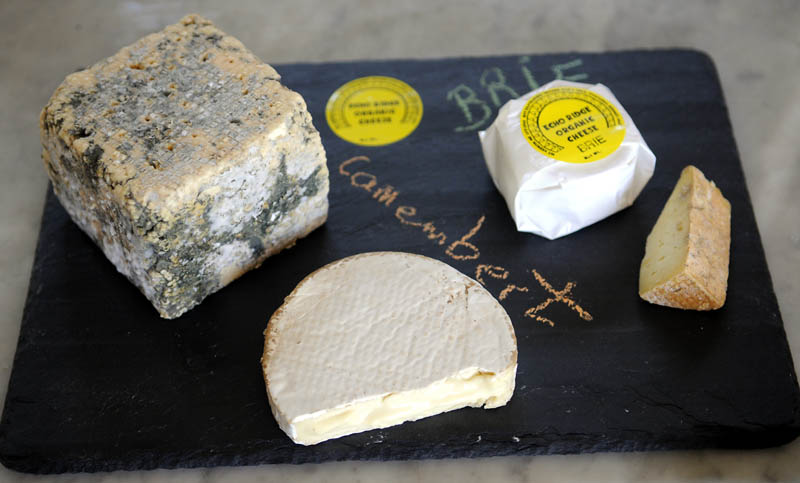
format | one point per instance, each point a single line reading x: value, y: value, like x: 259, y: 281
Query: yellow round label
x: 374, y: 111
x: 571, y: 124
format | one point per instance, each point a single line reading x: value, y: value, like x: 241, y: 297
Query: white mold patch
x: 229, y: 261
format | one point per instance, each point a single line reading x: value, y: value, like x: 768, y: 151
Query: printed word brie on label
x: 565, y: 156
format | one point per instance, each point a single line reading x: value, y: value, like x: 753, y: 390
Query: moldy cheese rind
x: 184, y: 158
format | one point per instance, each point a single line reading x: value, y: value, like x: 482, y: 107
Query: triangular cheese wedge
x: 376, y: 339
x: 685, y: 264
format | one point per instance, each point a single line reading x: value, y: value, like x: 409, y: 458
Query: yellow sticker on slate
x: 572, y: 124
x: 374, y: 111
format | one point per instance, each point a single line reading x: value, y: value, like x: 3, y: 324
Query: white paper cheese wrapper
x: 553, y: 198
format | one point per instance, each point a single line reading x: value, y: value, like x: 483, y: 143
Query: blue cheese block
x: 185, y: 159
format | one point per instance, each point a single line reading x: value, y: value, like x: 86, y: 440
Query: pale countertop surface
x: 756, y: 49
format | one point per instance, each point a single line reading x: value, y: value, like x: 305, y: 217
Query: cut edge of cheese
x: 471, y: 386
x: 687, y: 253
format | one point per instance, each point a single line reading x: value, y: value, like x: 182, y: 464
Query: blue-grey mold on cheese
x: 184, y: 158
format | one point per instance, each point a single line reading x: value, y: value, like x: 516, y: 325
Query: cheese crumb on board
x: 184, y: 158
x: 377, y: 339
x: 686, y: 258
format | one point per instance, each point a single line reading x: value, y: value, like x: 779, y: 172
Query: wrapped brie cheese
x: 565, y: 156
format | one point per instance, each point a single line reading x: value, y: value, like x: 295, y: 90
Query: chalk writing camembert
x: 565, y: 156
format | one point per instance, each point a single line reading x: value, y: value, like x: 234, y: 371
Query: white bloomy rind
x: 377, y: 339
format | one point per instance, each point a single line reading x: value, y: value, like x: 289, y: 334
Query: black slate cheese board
x: 101, y: 383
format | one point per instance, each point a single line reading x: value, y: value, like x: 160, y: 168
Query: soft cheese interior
x: 471, y: 388
x: 381, y: 338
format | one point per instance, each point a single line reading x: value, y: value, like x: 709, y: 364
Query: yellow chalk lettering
x: 430, y: 229
x: 557, y: 296
x: 510, y: 288
x: 368, y: 185
x: 403, y: 211
x: 462, y: 242
x: 492, y: 270
x: 349, y: 162
x: 386, y: 194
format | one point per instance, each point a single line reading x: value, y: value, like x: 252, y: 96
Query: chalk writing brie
x: 565, y: 156
x: 377, y: 339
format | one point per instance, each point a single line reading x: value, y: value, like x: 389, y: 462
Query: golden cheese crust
x: 701, y: 283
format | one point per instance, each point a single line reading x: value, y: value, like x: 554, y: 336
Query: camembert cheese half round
x: 381, y: 338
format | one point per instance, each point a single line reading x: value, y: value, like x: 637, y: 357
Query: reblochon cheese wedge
x: 377, y: 339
